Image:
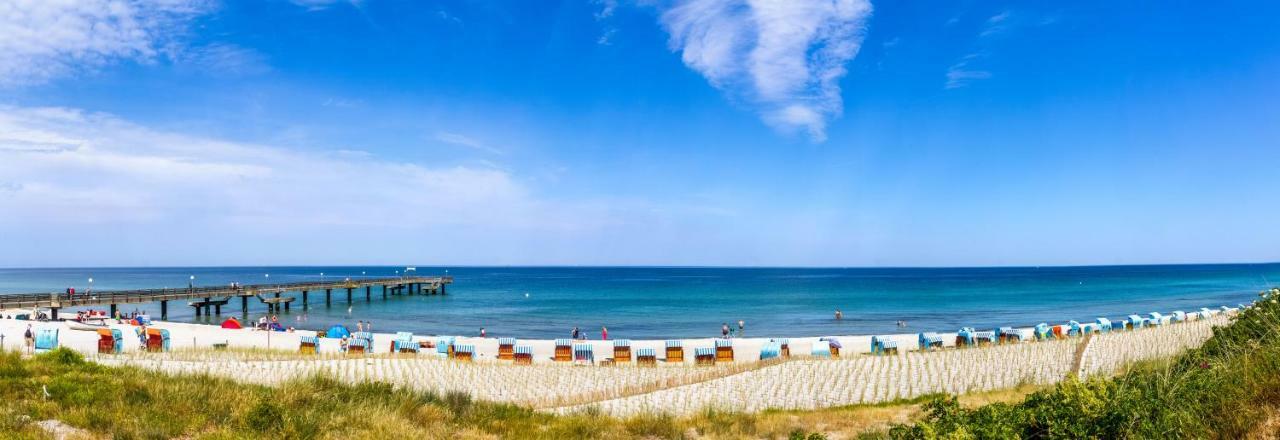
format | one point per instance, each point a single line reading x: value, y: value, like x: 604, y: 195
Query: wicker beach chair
x: 357, y: 346
x: 444, y: 346
x: 404, y: 343
x: 784, y: 348
x: 46, y: 339
x: 622, y: 350
x: 1134, y: 322
x: 1178, y: 316
x: 110, y: 341
x: 522, y: 355
x: 930, y: 340
x: 584, y: 354
x: 157, y: 340
x: 564, y: 350
x: 964, y: 337
x: 646, y: 357
x: 724, y: 350
x: 367, y: 337
x: 1157, y: 319
x: 889, y: 347
x: 464, y: 352
x: 704, y: 356
x: 308, y: 344
x: 675, y: 351
x: 1074, y: 329
x: 1042, y: 332
x: 984, y: 338
x: 1104, y: 325
x: 506, y: 348
x: 878, y: 344
x: 770, y: 350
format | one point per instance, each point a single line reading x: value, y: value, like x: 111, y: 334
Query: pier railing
x: 103, y: 297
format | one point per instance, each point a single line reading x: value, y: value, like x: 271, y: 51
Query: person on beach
x: 359, y: 326
x: 741, y: 328
x: 576, y: 333
x: 368, y: 326
x: 481, y: 332
x: 604, y: 333
x: 724, y: 330
x: 30, y: 338
x: 839, y: 315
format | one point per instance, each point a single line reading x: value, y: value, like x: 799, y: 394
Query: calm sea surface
x: 644, y: 303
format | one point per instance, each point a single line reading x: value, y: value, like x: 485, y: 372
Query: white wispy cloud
x: 784, y: 58
x: 45, y: 39
x: 224, y: 59
x: 465, y: 141
x: 319, y: 5
x: 961, y: 73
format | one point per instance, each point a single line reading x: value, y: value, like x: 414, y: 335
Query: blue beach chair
x: 984, y: 337
x: 1178, y: 316
x: 704, y: 356
x: 1104, y: 325
x: 964, y: 337
x: 308, y: 345
x: 444, y: 346
x: 929, y: 341
x: 1042, y: 332
x: 821, y: 349
x: 878, y: 344
x: 770, y: 350
x: 1135, y: 322
x: 1156, y: 319
x: 46, y: 339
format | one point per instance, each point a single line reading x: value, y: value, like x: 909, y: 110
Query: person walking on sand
x: 604, y: 333
x: 724, y: 329
x: 30, y: 338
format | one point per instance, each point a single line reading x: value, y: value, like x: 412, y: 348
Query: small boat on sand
x: 89, y: 325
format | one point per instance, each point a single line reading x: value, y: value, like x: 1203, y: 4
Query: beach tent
x: 231, y: 323
x: 337, y: 331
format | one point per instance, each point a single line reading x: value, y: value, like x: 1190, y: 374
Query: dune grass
x: 1228, y: 388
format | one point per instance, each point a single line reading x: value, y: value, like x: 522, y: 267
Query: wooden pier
x: 209, y: 299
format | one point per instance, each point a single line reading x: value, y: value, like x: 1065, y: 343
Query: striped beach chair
x: 675, y: 351
x: 704, y: 356
x: 357, y: 346
x: 110, y: 341
x: 368, y: 340
x: 889, y: 346
x: 564, y: 350
x: 878, y: 344
x: 1178, y: 316
x: 1005, y: 335
x: 1042, y: 332
x: 820, y: 349
x: 1134, y: 322
x: 522, y: 355
x: 464, y: 352
x: 646, y: 357
x: 984, y: 338
x: 1074, y: 329
x: 46, y: 339
x: 1157, y: 319
x: 770, y: 350
x: 784, y: 347
x: 1104, y: 325
x: 583, y: 354
x: 404, y: 343
x: 724, y: 350
x: 157, y: 340
x: 964, y: 337
x: 622, y: 350
x: 506, y: 348
x: 308, y: 344
x: 930, y: 340
x: 1015, y: 335
x: 444, y: 346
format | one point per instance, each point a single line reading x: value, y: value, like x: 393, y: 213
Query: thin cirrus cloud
x: 785, y: 59
x: 465, y: 141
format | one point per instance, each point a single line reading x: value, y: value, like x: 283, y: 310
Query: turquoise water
x: 693, y: 302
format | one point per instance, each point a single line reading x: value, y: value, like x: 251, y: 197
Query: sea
x: 687, y: 302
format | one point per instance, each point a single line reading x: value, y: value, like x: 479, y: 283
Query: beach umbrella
x: 337, y: 331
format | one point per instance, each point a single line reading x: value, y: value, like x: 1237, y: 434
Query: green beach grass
x: 1228, y: 388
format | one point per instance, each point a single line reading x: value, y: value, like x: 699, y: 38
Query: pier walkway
x: 206, y: 299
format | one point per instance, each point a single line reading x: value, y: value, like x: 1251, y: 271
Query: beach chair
x: 444, y: 346
x: 770, y: 350
x: 1074, y: 329
x: 964, y: 337
x: 724, y: 350
x: 784, y: 347
x: 583, y: 354
x: 1134, y: 322
x: 646, y: 357
x: 1156, y: 319
x: 1013, y: 335
x: 704, y: 356
x: 404, y: 343
x: 357, y: 346
x: 506, y: 348
x: 1042, y: 331
x: 46, y: 339
x: 622, y: 350
x: 675, y: 351
x: 1206, y: 313
x: 930, y: 340
x: 308, y: 344
x: 1003, y: 333
x: 1104, y: 325
x: 878, y: 344
x: 464, y: 352
x: 984, y: 338
x: 820, y: 349
x: 110, y: 341
x: 157, y: 340
x: 368, y: 340
x: 1059, y: 331
x: 1229, y: 310
x: 522, y: 355
x: 1178, y: 316
x: 889, y: 347
x: 564, y: 350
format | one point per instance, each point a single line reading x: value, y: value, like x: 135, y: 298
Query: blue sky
x: 686, y: 132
